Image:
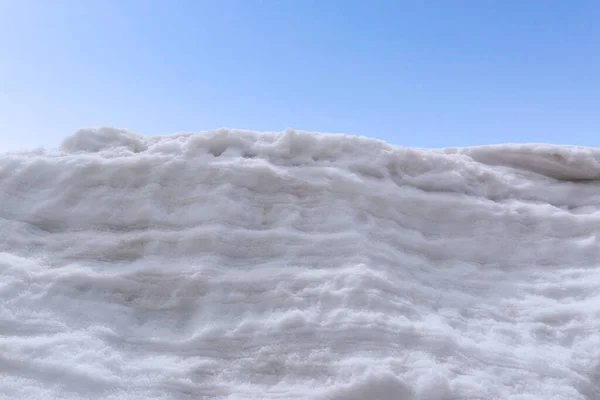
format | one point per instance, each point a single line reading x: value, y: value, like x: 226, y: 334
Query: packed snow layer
x: 242, y: 265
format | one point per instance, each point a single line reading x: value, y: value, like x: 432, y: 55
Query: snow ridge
x: 233, y: 264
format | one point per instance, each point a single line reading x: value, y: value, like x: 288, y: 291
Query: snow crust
x: 241, y: 265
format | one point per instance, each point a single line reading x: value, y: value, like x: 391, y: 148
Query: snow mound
x: 233, y: 264
x: 104, y: 138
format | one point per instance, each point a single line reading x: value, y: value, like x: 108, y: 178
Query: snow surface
x: 242, y: 265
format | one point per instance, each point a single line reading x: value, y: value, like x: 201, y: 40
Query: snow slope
x: 243, y: 265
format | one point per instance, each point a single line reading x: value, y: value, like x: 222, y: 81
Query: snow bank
x: 236, y: 264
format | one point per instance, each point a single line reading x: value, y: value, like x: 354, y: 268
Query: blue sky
x: 414, y: 73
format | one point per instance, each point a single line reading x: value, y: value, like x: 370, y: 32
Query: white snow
x: 242, y: 265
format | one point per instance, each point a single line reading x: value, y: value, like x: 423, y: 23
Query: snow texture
x: 241, y: 265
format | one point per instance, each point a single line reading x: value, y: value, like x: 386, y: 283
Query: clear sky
x: 415, y: 73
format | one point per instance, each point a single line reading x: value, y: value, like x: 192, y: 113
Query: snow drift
x: 242, y: 265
